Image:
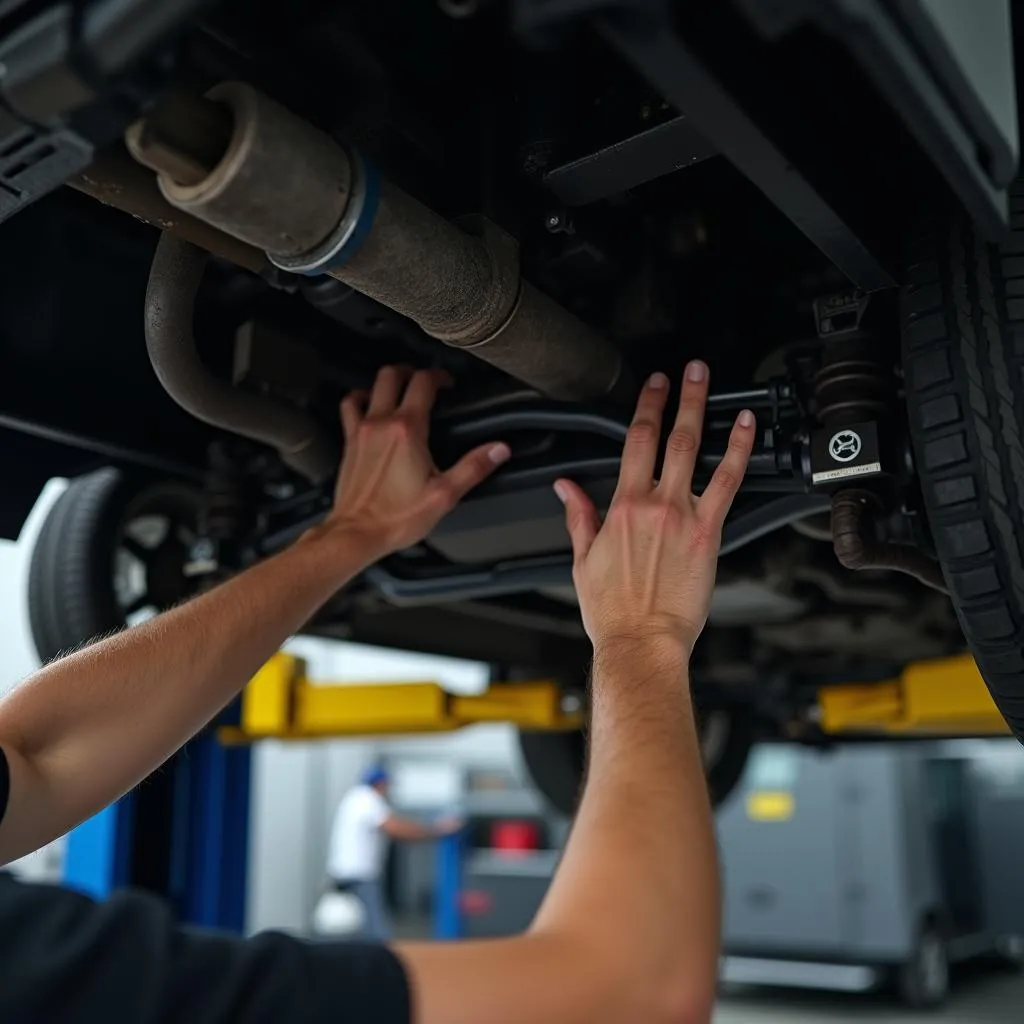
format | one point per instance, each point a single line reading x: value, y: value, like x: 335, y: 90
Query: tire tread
x: 963, y: 351
x: 69, y: 571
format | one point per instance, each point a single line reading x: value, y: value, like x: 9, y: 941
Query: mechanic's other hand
x: 649, y: 570
x: 390, y: 494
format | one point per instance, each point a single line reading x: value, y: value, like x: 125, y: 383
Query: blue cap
x: 375, y: 776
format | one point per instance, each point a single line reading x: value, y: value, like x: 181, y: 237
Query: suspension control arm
x: 779, y: 461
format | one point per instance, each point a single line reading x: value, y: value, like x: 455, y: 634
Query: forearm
x: 629, y: 930
x: 85, y: 729
x: 642, y: 853
x: 407, y: 830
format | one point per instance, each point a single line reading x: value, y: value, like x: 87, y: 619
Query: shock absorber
x: 856, y: 452
x: 852, y: 383
x: 854, y: 395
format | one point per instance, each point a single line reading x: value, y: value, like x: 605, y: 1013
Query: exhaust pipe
x: 174, y: 279
x: 289, y: 189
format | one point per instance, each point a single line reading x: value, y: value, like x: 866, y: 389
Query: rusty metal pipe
x: 852, y: 512
x: 288, y: 188
x: 116, y: 180
x: 280, y: 184
x: 174, y: 280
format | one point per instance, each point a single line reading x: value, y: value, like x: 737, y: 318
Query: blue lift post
x: 98, y: 855
x: 448, y: 886
x: 217, y: 825
x: 183, y: 834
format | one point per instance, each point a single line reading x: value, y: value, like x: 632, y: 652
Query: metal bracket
x: 34, y: 160
x: 651, y: 154
x: 655, y: 50
x: 841, y: 313
x: 60, y: 63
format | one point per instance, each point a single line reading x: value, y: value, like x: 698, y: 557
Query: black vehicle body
x: 740, y: 181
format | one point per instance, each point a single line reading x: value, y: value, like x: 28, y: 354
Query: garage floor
x: 981, y: 995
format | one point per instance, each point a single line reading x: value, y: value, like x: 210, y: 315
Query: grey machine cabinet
x: 843, y: 856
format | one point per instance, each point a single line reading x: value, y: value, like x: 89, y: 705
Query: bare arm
x: 85, y: 729
x: 629, y: 931
x: 407, y: 830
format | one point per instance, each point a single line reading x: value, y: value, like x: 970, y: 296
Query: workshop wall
x: 297, y: 786
x: 18, y: 655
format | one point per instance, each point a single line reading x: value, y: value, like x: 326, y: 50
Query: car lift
x: 282, y: 703
x: 183, y: 832
x: 943, y: 697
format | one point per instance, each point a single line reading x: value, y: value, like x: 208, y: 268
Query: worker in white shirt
x: 355, y: 860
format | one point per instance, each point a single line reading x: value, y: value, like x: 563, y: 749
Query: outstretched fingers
x: 472, y: 469
x: 640, y: 454
x: 717, y: 499
x: 684, y: 439
x: 581, y: 518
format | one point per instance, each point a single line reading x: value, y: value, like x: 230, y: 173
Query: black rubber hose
x: 170, y: 300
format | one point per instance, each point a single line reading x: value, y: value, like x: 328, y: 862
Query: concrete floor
x: 981, y: 995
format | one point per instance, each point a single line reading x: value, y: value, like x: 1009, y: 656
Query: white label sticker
x: 843, y: 474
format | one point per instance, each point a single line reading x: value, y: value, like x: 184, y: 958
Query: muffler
x: 287, y: 188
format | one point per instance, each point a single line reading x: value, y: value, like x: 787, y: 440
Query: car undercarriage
x: 548, y: 201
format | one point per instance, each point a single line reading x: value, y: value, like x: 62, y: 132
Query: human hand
x: 390, y: 494
x: 448, y: 826
x: 648, y: 572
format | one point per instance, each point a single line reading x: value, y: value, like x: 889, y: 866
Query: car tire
x: 923, y: 980
x: 962, y: 319
x: 556, y: 761
x: 73, y: 591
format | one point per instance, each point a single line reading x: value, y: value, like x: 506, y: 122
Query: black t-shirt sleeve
x: 66, y: 959
x: 5, y: 783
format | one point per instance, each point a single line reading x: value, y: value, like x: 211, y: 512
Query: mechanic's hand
x: 649, y: 570
x: 389, y: 492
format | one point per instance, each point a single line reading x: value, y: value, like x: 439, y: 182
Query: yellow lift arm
x: 280, y: 702
x: 944, y: 697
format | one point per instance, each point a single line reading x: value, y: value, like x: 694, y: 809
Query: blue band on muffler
x: 345, y: 240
